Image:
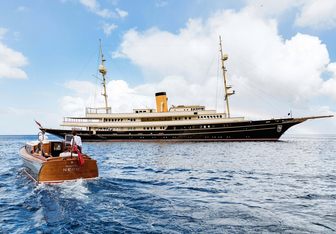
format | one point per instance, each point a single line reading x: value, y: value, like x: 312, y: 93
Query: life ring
x: 40, y: 136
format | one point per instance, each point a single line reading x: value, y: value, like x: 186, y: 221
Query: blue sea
x: 240, y: 187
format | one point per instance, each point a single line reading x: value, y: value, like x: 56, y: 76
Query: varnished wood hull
x: 58, y: 169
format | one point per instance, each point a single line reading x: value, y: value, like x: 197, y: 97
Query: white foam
x: 40, y: 187
x: 38, y: 218
x: 75, y: 189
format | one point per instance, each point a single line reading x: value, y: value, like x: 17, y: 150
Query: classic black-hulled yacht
x: 177, y: 123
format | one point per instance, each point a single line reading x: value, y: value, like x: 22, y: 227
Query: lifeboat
x: 52, y: 161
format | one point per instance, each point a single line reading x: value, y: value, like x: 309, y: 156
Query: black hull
x: 261, y: 130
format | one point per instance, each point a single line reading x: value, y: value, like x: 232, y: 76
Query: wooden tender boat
x: 53, y: 162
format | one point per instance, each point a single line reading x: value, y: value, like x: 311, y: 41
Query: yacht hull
x: 261, y: 130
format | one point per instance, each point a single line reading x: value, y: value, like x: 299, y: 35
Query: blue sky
x: 49, y: 52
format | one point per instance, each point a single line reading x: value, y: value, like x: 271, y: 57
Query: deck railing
x: 80, y: 120
x: 98, y: 110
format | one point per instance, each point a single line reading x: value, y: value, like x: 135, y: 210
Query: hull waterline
x: 262, y: 130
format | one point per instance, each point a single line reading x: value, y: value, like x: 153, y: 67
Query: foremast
x: 103, y: 71
x: 227, y: 88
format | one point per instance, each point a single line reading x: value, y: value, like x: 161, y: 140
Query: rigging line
x: 96, y: 75
x: 274, y: 98
x: 208, y: 71
x: 87, y: 62
x: 269, y: 104
x: 256, y: 95
x: 209, y: 66
x: 218, y: 67
x: 268, y: 94
x: 251, y: 86
x: 287, y: 92
x: 80, y: 73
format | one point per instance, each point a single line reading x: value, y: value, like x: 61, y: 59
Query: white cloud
x: 329, y: 86
x: 259, y: 56
x: 73, y: 105
x: 317, y: 14
x: 121, y: 13
x: 11, y: 61
x: 3, y: 32
x: 273, y: 8
x: 10, y: 116
x: 95, y: 7
x: 120, y: 96
x: 271, y: 75
x: 81, y: 87
x: 108, y: 28
x: 17, y: 119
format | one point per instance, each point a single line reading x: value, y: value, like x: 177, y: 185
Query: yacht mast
x: 103, y: 72
x: 226, y: 87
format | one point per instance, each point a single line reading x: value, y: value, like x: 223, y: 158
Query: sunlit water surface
x: 287, y: 186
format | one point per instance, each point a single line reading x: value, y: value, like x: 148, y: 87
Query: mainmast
x: 103, y: 72
x: 228, y: 93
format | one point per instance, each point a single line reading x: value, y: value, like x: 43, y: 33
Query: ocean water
x: 241, y: 187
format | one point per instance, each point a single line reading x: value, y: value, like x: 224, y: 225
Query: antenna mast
x: 228, y: 93
x: 103, y: 72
